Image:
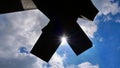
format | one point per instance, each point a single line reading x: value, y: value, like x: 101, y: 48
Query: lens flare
x: 63, y: 40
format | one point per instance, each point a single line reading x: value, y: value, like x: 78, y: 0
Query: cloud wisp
x: 89, y: 27
x: 106, y: 7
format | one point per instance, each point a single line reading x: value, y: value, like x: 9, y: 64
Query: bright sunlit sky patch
x: 63, y: 40
x: 19, y: 31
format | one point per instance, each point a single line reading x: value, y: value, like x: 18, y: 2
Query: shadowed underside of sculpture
x: 49, y: 40
x: 63, y: 15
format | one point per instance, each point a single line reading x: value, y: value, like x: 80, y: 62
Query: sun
x: 63, y: 40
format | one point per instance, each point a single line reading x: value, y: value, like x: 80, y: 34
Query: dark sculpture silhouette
x: 63, y: 15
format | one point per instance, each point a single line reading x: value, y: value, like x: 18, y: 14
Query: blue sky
x: 19, y: 31
x: 108, y: 47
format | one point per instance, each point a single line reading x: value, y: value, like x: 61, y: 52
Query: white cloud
x: 106, y: 7
x: 83, y: 65
x: 101, y: 39
x: 118, y: 20
x: 107, y: 18
x: 87, y: 65
x: 39, y: 64
x: 89, y: 27
x: 15, y: 32
x: 20, y: 30
x: 57, y: 61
